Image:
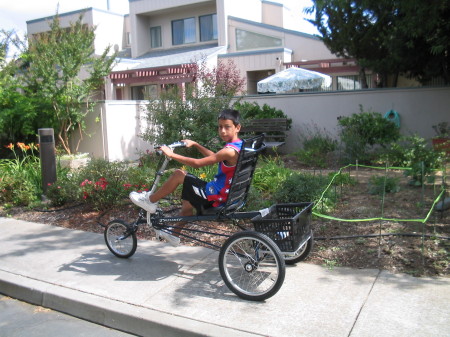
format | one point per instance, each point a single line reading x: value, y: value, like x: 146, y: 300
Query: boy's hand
x: 166, y: 150
x: 188, y: 142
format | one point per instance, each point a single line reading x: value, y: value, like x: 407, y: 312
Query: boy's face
x: 227, y: 130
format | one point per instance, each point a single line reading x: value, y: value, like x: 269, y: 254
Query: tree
x: 19, y: 114
x: 55, y: 60
x: 193, y: 114
x: 388, y: 36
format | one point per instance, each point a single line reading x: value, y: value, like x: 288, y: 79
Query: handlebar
x: 172, y: 146
x: 177, y: 144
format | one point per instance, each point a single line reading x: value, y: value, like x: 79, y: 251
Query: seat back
x: 245, y: 168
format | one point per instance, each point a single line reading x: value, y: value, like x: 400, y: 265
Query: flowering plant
x: 21, y: 175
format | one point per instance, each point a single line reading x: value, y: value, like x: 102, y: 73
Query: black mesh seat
x: 245, y: 167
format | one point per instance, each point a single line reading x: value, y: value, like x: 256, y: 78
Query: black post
x: 48, y: 157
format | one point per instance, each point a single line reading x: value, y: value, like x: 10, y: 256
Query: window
x: 208, y: 27
x: 128, y: 38
x: 247, y: 40
x: 155, y: 37
x: 142, y: 92
x: 352, y: 82
x: 183, y: 31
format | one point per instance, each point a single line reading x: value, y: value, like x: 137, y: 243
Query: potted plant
x: 441, y: 142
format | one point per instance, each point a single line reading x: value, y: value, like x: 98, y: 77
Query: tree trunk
x: 395, y: 80
x: 362, y: 77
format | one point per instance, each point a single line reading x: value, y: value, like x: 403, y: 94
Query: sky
x: 15, y: 13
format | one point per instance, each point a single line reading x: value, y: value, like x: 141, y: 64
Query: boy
x: 196, y: 192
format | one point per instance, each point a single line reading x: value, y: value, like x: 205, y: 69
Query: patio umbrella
x: 293, y: 78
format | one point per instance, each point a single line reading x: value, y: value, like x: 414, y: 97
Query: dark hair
x: 230, y: 114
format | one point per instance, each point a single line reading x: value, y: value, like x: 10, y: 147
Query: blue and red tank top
x: 218, y: 189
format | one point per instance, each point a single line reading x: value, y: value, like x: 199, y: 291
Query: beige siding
x: 143, y: 22
x: 306, y: 48
x: 109, y: 31
x: 272, y: 14
x: 109, y: 27
x: 43, y: 25
x: 144, y: 6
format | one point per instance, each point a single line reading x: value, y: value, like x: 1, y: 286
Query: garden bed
x: 367, y: 244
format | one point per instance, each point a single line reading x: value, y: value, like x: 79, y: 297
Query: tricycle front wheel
x: 251, y: 265
x: 120, y: 239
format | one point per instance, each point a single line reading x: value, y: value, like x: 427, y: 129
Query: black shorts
x: 194, y: 191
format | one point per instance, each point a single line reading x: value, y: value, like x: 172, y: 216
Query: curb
x: 111, y: 313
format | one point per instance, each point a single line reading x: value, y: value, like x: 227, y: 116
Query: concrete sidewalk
x: 167, y: 291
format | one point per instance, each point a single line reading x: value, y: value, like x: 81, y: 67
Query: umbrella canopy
x: 294, y: 78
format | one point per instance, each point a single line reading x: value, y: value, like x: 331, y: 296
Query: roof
x: 276, y: 28
x: 176, y: 56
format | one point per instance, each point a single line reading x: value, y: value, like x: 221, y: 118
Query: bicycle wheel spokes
x: 251, y: 266
x: 120, y: 239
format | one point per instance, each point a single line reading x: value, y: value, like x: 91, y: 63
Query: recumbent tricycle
x: 251, y: 262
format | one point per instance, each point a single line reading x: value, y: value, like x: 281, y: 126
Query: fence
x: 114, y: 126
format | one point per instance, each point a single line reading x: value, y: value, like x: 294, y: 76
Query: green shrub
x: 301, y: 187
x: 16, y: 189
x: 65, y: 190
x: 380, y: 185
x: 317, y: 146
x: 361, y: 133
x: 269, y: 174
x: 341, y: 179
x: 257, y: 199
x: 415, y: 153
x: 255, y: 111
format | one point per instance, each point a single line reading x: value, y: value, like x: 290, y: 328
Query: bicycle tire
x: 302, y: 254
x: 120, y: 238
x: 252, y: 266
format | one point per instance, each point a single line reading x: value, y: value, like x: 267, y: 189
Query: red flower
x: 102, y: 183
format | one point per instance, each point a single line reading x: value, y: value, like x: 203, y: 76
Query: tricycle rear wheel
x: 251, y: 265
x: 301, y: 254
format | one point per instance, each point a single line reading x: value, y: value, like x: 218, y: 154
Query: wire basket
x: 288, y: 225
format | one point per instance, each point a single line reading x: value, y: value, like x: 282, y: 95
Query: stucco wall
x: 419, y: 109
x: 115, y: 125
x: 113, y: 131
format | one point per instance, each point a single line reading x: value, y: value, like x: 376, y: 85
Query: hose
x: 345, y: 237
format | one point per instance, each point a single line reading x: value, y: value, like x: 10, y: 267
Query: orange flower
x: 10, y: 146
x: 22, y: 146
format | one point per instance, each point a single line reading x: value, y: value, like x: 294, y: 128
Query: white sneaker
x: 143, y: 201
x: 172, y: 239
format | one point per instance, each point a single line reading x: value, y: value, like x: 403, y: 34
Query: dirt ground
x: 398, y: 246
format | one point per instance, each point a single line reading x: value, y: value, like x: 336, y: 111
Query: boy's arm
x: 200, y: 148
x: 227, y: 154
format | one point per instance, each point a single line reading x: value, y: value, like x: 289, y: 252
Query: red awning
x: 160, y: 75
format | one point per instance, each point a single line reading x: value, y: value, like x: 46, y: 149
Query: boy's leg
x: 176, y: 179
x: 186, y: 210
x: 149, y: 203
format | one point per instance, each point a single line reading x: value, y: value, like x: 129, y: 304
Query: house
x: 160, y: 41
x: 168, y: 37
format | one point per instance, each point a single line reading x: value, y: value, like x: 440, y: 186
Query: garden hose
x: 393, y: 116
